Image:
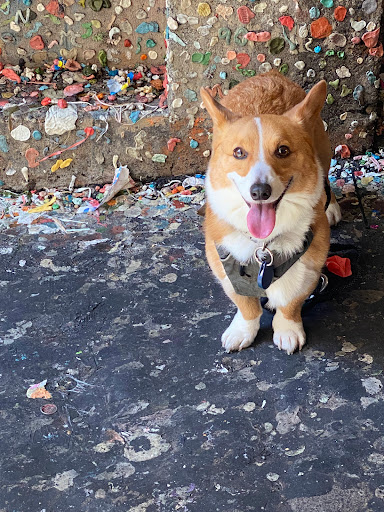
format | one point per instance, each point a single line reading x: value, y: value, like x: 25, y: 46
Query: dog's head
x: 264, y: 174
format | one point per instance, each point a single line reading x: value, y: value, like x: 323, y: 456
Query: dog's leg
x: 288, y: 293
x: 246, y: 322
x: 333, y: 211
x: 288, y: 330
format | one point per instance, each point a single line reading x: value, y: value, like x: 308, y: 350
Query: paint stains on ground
x: 151, y: 413
x: 63, y: 481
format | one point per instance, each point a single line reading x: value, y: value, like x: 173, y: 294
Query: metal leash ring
x: 264, y: 252
x: 324, y: 282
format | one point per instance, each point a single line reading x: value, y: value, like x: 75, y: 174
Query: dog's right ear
x: 217, y: 112
x: 310, y: 108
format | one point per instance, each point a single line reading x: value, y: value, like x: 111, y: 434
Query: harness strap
x: 283, y: 264
x: 244, y: 278
x: 281, y: 269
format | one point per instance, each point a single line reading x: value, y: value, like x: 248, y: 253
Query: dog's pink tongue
x: 261, y: 220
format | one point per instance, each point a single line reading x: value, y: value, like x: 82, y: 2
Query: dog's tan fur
x: 289, y: 117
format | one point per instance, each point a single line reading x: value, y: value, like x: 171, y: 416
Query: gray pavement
x: 124, y: 321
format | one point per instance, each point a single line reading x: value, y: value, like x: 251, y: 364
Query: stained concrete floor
x: 124, y: 321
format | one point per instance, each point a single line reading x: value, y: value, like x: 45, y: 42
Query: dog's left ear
x: 311, y: 106
x: 217, y: 112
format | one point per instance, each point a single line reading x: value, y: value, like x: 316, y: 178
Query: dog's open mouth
x: 261, y: 218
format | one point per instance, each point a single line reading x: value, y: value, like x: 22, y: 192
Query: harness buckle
x: 322, y: 285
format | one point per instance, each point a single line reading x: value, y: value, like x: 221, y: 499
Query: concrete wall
x: 87, y: 32
x: 217, y: 40
x: 206, y: 46
x: 80, y: 30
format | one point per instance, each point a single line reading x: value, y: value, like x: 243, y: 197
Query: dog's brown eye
x: 240, y: 153
x: 282, y: 151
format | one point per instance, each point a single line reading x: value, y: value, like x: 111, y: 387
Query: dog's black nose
x: 261, y: 191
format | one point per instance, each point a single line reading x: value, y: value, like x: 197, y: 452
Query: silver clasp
x: 264, y: 255
x: 324, y: 282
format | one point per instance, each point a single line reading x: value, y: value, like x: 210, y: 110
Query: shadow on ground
x: 124, y: 320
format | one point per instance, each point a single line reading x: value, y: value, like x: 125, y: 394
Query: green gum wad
x: 201, y: 58
x: 225, y: 33
x: 276, y: 45
x: 102, y: 56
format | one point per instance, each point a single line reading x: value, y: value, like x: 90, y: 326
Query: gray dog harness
x: 261, y: 271
x: 265, y: 267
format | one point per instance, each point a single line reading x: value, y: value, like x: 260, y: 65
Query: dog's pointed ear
x: 217, y: 112
x: 311, y: 106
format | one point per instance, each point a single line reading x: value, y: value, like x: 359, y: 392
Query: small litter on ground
x: 52, y: 210
x: 39, y: 391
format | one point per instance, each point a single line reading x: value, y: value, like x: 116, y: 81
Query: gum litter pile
x: 61, y: 206
x: 369, y: 173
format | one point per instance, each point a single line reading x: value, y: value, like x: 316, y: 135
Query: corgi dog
x: 267, y: 216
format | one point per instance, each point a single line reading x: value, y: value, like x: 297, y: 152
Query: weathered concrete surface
x: 77, y: 31
x: 162, y: 419
x: 93, y: 160
x: 134, y: 145
x: 80, y: 32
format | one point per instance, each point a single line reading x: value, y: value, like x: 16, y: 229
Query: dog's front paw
x: 240, y: 334
x: 333, y: 213
x: 288, y: 335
